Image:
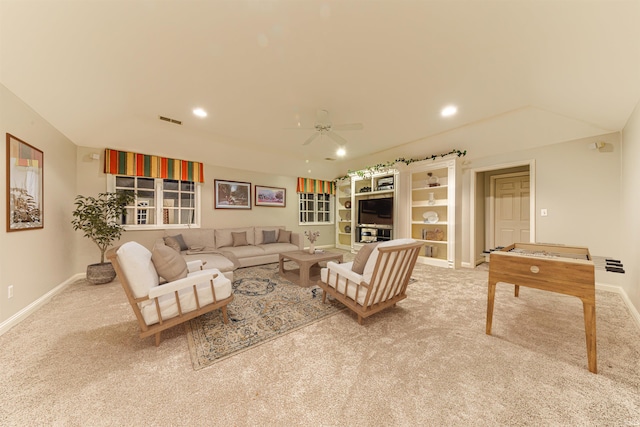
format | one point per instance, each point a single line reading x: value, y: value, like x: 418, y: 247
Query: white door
x: 511, y: 210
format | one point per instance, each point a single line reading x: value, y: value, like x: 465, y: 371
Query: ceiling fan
x: 323, y: 126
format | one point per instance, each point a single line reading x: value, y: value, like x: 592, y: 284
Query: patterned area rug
x: 265, y: 306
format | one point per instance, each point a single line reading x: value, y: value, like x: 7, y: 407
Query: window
x: 159, y: 203
x: 315, y: 208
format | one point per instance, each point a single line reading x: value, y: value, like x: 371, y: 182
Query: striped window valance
x: 307, y: 185
x: 134, y: 164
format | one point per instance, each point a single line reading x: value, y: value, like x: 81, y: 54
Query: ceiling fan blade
x: 349, y: 126
x: 337, y: 138
x: 300, y: 128
x: 310, y: 139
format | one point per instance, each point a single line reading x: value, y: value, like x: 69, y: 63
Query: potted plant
x: 98, y: 218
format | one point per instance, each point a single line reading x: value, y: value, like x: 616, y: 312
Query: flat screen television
x: 375, y: 211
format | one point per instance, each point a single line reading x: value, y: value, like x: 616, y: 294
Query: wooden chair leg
x: 516, y: 291
x: 224, y: 314
x: 359, y: 319
x: 324, y: 296
x: 158, y: 339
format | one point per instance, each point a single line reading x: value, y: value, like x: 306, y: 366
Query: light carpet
x: 264, y: 307
x: 78, y: 361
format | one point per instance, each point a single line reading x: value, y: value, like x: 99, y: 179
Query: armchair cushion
x: 168, y: 263
x: 135, y: 261
x: 184, y: 287
x: 172, y: 243
x: 367, y: 274
x: 339, y: 276
x: 362, y: 257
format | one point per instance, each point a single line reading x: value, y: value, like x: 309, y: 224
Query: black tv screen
x: 376, y: 211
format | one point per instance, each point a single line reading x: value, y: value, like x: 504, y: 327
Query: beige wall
x: 36, y: 261
x: 579, y: 187
x: 630, y: 206
x: 91, y: 181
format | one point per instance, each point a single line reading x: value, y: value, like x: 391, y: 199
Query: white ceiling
x: 522, y: 73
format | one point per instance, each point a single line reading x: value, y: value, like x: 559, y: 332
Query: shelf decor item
x: 433, y: 181
x: 347, y: 204
x: 432, y: 200
x: 347, y: 229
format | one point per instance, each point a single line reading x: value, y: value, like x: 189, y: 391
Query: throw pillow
x: 362, y: 257
x: 169, y: 263
x: 284, y: 236
x: 268, y: 236
x: 239, y: 239
x: 180, y: 240
x: 172, y: 243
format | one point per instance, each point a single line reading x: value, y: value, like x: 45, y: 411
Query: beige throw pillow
x: 284, y: 236
x: 239, y: 239
x: 169, y: 263
x: 362, y: 257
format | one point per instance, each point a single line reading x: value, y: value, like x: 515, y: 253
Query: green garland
x: 384, y: 166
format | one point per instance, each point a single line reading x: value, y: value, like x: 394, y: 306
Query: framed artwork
x: 270, y: 196
x: 25, y: 193
x: 232, y: 194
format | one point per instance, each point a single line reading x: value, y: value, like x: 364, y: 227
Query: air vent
x: 170, y: 120
x: 331, y: 159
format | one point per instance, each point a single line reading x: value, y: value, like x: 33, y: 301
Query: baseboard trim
x: 28, y: 310
x: 620, y: 291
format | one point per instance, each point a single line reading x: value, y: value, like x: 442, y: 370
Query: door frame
x: 473, y: 256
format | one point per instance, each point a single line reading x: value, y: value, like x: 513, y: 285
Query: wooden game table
x: 563, y: 269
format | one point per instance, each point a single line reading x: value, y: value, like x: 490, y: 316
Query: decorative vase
x: 432, y: 200
x: 312, y: 248
x: 100, y: 273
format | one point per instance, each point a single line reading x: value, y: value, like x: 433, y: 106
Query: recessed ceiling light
x: 341, y: 152
x: 199, y: 112
x: 449, y: 111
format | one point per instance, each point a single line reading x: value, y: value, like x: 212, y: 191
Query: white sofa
x: 215, y: 247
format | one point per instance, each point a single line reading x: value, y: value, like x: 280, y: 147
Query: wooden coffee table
x: 308, y: 271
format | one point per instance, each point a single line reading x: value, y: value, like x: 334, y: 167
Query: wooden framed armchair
x: 161, y: 306
x: 381, y: 285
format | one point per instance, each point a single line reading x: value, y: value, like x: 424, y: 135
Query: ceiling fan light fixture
x: 449, y: 111
x: 341, y: 152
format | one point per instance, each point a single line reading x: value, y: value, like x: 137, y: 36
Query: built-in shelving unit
x: 343, y: 214
x: 434, y: 195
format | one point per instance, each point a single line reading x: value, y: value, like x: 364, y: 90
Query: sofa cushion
x: 198, y: 237
x: 180, y: 240
x: 244, y: 251
x: 169, y: 264
x: 284, y: 236
x: 259, y: 234
x: 239, y: 238
x: 268, y: 236
x: 173, y: 243
x: 362, y: 257
x: 278, y: 248
x: 136, y: 264
x: 224, y: 238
